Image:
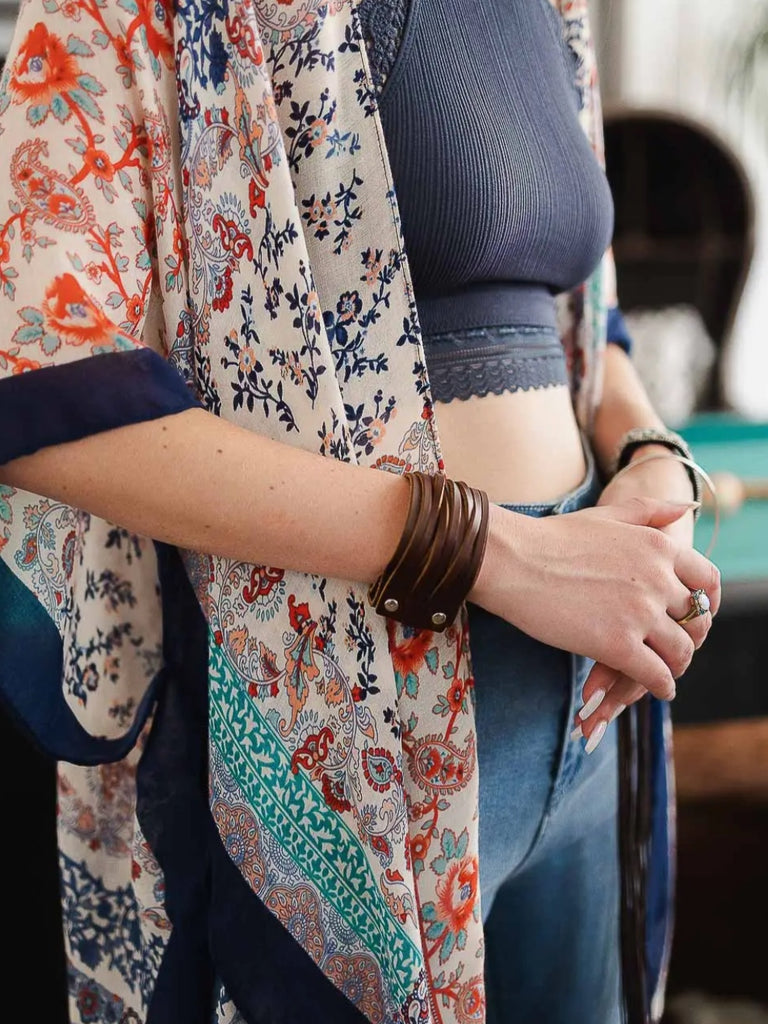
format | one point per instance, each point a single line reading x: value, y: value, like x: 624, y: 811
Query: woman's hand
x: 655, y: 478
x: 604, y: 582
x: 664, y: 478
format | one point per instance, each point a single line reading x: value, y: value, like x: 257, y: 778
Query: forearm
x: 199, y: 482
x: 624, y: 406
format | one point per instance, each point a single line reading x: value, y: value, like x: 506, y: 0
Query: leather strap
x: 438, y: 556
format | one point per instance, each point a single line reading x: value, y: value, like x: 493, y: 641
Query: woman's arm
x: 624, y: 406
x: 197, y: 481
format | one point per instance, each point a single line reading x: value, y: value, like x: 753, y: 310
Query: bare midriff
x: 521, y: 447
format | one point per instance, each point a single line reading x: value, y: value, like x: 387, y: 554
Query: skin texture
x: 651, y: 478
x: 624, y: 406
x: 196, y: 481
x: 523, y: 426
x: 619, y: 583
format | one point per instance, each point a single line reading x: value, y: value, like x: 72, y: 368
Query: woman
x: 184, y: 319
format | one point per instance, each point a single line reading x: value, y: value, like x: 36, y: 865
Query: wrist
x: 663, y: 477
x: 438, y: 556
x: 648, y: 448
x: 649, y: 444
x: 508, y: 539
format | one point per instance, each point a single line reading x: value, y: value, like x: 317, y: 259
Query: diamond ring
x: 700, y: 605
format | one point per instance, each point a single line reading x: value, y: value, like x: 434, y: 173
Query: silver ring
x: 700, y: 605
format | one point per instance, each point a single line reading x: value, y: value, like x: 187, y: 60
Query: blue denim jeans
x: 549, y: 869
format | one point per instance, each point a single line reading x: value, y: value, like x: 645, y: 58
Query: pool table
x: 729, y: 678
x: 724, y: 442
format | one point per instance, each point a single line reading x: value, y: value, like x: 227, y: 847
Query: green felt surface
x: 721, y: 441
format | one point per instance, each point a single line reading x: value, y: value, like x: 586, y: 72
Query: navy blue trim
x: 31, y: 682
x: 220, y: 926
x: 65, y: 403
x: 618, y: 333
x: 51, y: 406
x: 660, y: 884
x: 172, y: 804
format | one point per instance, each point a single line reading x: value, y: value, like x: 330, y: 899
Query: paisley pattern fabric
x: 205, y: 190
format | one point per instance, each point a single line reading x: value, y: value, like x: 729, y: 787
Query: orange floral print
x: 317, y: 132
x: 98, y: 163
x: 455, y: 695
x: 155, y: 18
x: 408, y: 652
x: 73, y: 315
x: 19, y: 364
x: 135, y: 309
x: 457, y: 892
x: 43, y: 68
x: 182, y: 150
x: 23, y: 365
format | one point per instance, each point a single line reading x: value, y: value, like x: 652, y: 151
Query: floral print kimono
x: 267, y: 793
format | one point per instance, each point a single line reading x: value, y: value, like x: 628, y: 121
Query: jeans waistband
x: 583, y: 495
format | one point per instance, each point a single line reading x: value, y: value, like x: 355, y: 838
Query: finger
x: 698, y: 573
x: 597, y: 694
x: 696, y: 628
x: 681, y: 605
x: 598, y: 683
x: 652, y: 512
x: 622, y: 694
x: 673, y: 644
x: 643, y: 664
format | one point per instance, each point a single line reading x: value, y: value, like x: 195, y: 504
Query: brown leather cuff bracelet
x: 439, y: 554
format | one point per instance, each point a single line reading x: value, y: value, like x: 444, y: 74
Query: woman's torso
x: 502, y: 203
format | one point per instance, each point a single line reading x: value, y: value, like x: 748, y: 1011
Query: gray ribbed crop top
x: 502, y: 201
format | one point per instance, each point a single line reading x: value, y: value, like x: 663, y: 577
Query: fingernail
x: 577, y: 733
x: 595, y: 738
x: 592, y: 704
x: 686, y: 504
x: 617, y: 712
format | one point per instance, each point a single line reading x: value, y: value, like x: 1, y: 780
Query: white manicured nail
x: 595, y: 738
x: 592, y: 704
x: 618, y: 710
x: 577, y: 733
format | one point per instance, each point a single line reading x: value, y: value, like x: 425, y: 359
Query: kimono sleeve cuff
x: 64, y: 403
x: 617, y: 331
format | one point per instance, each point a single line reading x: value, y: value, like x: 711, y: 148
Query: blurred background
x: 685, y: 93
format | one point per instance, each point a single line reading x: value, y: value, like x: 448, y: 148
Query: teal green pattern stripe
x: 316, y: 838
